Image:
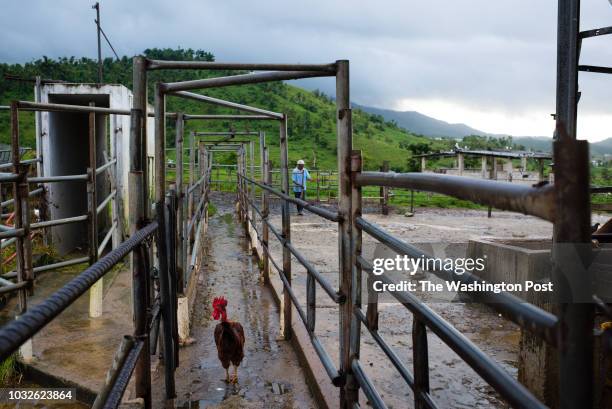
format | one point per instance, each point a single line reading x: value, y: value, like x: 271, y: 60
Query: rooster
x: 229, y: 338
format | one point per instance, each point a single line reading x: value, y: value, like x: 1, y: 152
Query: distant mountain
x: 422, y: 124
x: 418, y: 123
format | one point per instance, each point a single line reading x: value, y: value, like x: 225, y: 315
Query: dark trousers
x: 300, y: 195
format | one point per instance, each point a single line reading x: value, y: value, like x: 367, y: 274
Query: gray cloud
x: 489, y: 55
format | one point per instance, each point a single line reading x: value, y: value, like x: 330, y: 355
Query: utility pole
x: 97, y: 7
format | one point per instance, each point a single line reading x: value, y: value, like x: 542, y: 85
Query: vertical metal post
x: 96, y: 291
x: 191, y: 177
x: 420, y: 359
x: 140, y: 274
x: 384, y: 191
x: 160, y: 144
x: 20, y: 242
x: 266, y: 212
x: 252, y: 191
x: 139, y: 84
x: 180, y: 267
x: 166, y: 303
x: 97, y: 7
x: 572, y: 278
x: 352, y: 386
x: 348, y: 393
x: 38, y: 116
x: 286, y: 228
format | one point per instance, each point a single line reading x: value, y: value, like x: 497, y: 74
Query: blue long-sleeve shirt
x: 299, y: 178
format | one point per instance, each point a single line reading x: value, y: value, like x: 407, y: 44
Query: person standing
x: 299, y: 177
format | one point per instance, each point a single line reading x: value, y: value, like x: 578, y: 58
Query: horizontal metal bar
x: 58, y: 222
x: 106, y: 201
x: 220, y: 133
x: 227, y: 104
x: 243, y: 79
x: 507, y: 386
x: 374, y: 398
x: 213, y: 65
x: 326, y: 214
x: 32, y: 193
x: 595, y: 68
x: 41, y: 106
x: 229, y: 117
x: 601, y: 189
x: 106, y: 166
x: 336, y: 296
x: 7, y: 234
x: 14, y: 287
x: 15, y: 333
x: 53, y: 179
x: 49, y: 107
x: 61, y: 264
x: 10, y: 177
x: 10, y: 165
x: 534, y: 319
x: 596, y: 32
x: 106, y: 239
x: 6, y: 243
x: 536, y: 201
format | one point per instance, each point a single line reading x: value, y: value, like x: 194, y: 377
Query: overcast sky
x: 489, y: 64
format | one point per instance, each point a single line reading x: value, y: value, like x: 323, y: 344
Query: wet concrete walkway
x: 270, y: 375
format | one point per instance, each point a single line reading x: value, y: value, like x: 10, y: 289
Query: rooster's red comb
x: 219, y: 302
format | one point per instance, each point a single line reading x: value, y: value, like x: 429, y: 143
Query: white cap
x: 300, y: 162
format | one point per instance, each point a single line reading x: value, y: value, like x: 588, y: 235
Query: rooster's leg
x: 234, y: 378
x: 227, y: 376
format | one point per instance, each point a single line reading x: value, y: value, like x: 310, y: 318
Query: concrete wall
x: 58, y: 147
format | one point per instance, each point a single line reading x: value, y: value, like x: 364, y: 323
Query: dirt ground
x: 270, y: 375
x: 453, y: 383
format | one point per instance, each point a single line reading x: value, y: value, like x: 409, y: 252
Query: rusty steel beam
x: 213, y: 65
x: 536, y: 201
x: 227, y: 104
x: 171, y: 87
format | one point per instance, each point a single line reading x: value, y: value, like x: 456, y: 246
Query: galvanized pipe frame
x: 496, y: 376
x: 15, y: 333
x: 529, y: 317
x: 536, y: 201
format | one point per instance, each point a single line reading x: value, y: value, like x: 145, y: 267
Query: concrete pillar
x: 510, y: 170
x: 460, y: 163
x: 423, y: 163
x: 494, y: 169
x: 483, y: 162
x: 524, y: 164
x: 540, y: 170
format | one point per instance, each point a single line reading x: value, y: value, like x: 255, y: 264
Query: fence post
x: 96, y: 291
x: 348, y: 394
x: 140, y: 102
x: 286, y: 230
x: 572, y: 249
x: 354, y: 300
x: 384, y: 191
x: 265, y: 212
x: 180, y: 265
x: 191, y: 176
x: 253, y: 213
x: 165, y: 302
x: 140, y: 274
x: 420, y: 359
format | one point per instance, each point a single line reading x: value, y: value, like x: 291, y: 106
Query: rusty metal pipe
x: 536, y: 201
x: 213, y: 65
x: 227, y: 104
x: 171, y: 87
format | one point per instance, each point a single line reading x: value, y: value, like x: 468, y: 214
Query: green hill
x: 311, y: 124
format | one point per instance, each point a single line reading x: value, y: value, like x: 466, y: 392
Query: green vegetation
x: 8, y: 370
x: 311, y: 125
